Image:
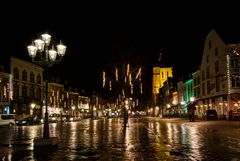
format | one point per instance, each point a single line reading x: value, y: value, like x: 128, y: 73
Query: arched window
x: 39, y: 79
x: 24, y: 75
x: 16, y: 73
x: 32, y: 78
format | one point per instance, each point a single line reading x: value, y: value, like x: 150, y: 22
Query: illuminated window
x: 4, y: 91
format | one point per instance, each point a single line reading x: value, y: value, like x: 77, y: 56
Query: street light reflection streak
x: 158, y: 129
x: 195, y: 143
x: 190, y: 137
x: 170, y: 132
x: 116, y: 70
x: 184, y: 133
x: 110, y: 131
x: 73, y: 137
x: 53, y: 129
x: 128, y: 139
x: 95, y: 134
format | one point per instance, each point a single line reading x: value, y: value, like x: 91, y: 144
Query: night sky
x: 100, y: 37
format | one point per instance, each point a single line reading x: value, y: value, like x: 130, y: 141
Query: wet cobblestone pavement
x: 147, y: 139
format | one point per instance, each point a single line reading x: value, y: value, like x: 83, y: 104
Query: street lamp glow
x: 61, y: 49
x: 32, y: 50
x: 73, y: 107
x: 52, y: 55
x: 46, y: 38
x: 183, y: 103
x: 46, y: 59
x: 39, y: 44
x: 192, y: 99
x: 174, y: 102
x: 33, y: 105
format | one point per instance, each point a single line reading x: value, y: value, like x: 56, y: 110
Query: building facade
x: 27, y: 85
x: 160, y: 75
x: 55, y: 98
x: 5, y: 92
x: 219, y: 76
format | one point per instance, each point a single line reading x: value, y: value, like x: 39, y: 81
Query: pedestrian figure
x: 190, y: 114
x: 125, y: 118
x: 191, y: 111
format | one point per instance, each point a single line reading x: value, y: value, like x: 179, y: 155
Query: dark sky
x: 98, y: 37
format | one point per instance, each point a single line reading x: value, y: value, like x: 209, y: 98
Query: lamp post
x: 44, y: 57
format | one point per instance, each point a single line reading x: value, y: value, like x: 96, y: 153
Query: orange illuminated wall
x: 175, y: 98
x: 160, y: 75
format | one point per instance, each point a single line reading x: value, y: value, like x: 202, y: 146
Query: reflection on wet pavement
x: 106, y: 139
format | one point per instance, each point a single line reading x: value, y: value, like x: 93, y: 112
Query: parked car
x: 210, y: 115
x: 25, y: 121
x: 73, y: 118
x: 56, y: 118
x: 7, y: 119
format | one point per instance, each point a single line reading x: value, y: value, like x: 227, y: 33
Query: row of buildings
x: 215, y: 85
x: 22, y: 92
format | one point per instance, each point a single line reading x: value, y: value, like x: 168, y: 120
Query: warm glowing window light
x: 123, y: 92
x: 104, y: 79
x: 116, y: 71
x: 128, y: 69
x: 130, y: 79
x: 138, y: 74
x: 110, y: 85
x: 131, y: 88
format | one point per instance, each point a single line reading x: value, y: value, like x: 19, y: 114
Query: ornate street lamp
x: 44, y: 57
